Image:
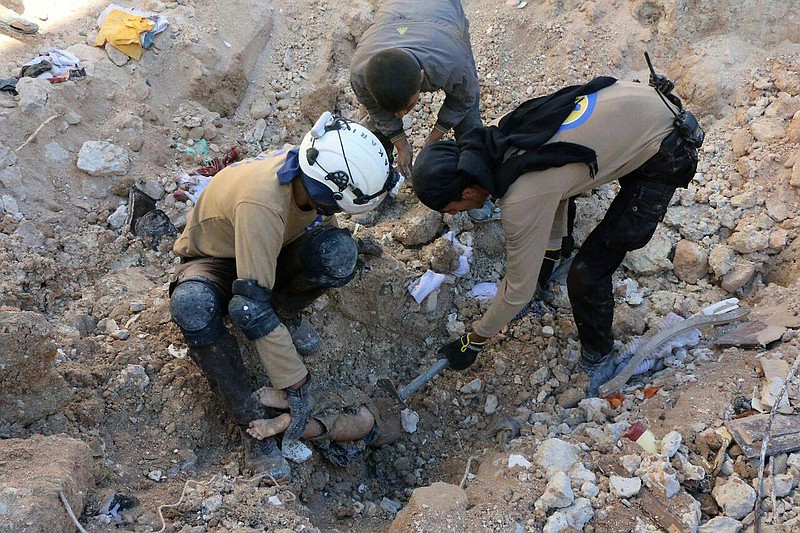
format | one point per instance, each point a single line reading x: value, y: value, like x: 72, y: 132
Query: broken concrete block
x: 721, y: 524
x: 721, y: 259
x: 670, y: 443
x: 557, y: 494
x: 30, y: 387
x: 738, y: 276
x: 32, y: 94
x: 100, y: 158
x: 34, y: 471
x: 556, y: 455
x: 437, y: 503
x: 735, y: 497
x: 690, y: 263
x: 624, y: 487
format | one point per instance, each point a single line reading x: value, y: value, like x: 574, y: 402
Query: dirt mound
x: 88, y: 348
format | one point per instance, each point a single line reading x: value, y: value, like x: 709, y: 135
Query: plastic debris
x: 297, y: 452
x: 483, y: 291
x: 409, y: 420
x: 421, y: 287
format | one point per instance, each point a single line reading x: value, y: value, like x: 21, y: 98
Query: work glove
x: 300, y: 406
x: 461, y: 353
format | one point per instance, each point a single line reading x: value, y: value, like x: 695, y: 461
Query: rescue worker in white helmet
x: 262, y: 244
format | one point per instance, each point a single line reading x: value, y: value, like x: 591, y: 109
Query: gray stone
x: 784, y: 484
x: 56, y: 152
x: 117, y: 219
x: 556, y: 523
x: 72, y: 118
x: 118, y: 57
x: 624, y: 487
x: 768, y: 129
x: 721, y: 524
x: 735, y: 497
x: 100, y: 158
x: 749, y: 240
x: 556, y: 455
x: 30, y: 234
x: 630, y: 462
x: 419, y: 226
x: 472, y: 387
x: 579, y: 513
x: 557, y: 494
x: 721, y: 259
x: 7, y: 157
x: 32, y: 94
x: 738, y: 277
x: 690, y: 263
x: 490, y: 407
x: 670, y: 443
x: 693, y: 222
x: 30, y: 387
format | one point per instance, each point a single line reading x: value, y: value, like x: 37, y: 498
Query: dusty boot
x: 598, y: 370
x: 221, y: 363
x: 304, y: 337
x: 264, y: 457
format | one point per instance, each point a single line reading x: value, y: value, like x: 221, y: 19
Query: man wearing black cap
x: 546, y: 151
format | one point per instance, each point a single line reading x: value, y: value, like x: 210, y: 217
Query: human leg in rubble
x: 198, y: 303
x: 628, y: 225
x: 247, y: 214
x: 343, y: 422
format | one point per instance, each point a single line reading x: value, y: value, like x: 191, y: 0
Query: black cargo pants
x: 628, y: 225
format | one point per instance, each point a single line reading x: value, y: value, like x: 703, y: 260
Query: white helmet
x: 349, y: 160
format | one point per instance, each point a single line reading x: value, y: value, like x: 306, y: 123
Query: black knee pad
x: 251, y: 309
x: 329, y: 256
x: 196, y: 309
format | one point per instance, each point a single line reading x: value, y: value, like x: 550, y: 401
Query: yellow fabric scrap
x: 121, y: 30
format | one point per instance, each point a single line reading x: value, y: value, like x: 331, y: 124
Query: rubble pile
x: 87, y: 348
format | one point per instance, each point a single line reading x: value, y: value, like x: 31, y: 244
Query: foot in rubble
x: 262, y: 456
x: 597, y: 372
x: 489, y: 211
x: 304, y: 337
x: 339, y: 415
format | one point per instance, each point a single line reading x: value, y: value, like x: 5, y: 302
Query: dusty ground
x: 86, y: 300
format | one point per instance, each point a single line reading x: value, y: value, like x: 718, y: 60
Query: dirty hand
x: 300, y: 406
x: 461, y: 353
x: 404, y: 157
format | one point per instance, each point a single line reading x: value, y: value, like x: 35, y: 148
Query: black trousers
x: 628, y: 225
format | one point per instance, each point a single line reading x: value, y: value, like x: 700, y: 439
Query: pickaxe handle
x: 422, y: 379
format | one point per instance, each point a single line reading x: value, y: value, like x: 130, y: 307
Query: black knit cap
x: 435, y: 175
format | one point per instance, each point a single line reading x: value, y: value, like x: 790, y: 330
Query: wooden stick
x: 765, y: 442
x: 70, y: 513
x: 33, y: 135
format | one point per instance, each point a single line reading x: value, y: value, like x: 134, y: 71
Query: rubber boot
x: 305, y: 338
x: 221, y: 363
x: 598, y: 369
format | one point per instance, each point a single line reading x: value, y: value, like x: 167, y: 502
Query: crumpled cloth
x: 121, y: 30
x: 60, y: 61
x: 421, y: 287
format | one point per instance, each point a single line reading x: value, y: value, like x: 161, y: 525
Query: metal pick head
x: 388, y: 386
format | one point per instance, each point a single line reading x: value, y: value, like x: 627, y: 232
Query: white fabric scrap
x: 61, y: 62
x: 465, y: 254
x: 421, y: 287
x: 194, y: 183
x: 483, y: 291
